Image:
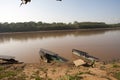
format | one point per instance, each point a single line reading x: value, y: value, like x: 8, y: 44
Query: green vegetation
x: 117, y: 75
x: 53, y: 71
x: 38, y: 78
x: 10, y: 72
x: 7, y: 74
x: 116, y: 66
x: 40, y: 26
x: 72, y: 77
x: 1, y: 68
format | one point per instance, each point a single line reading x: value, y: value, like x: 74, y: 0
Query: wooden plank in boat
x: 79, y: 62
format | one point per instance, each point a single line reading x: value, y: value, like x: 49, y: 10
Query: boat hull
x: 83, y: 55
x: 48, y: 56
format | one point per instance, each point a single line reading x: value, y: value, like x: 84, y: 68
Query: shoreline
x: 117, y: 28
x: 60, y: 71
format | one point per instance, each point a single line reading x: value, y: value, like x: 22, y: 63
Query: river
x: 104, y: 44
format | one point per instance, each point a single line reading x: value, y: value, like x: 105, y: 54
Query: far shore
x: 116, y: 28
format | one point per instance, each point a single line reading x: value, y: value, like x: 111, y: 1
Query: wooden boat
x: 90, y: 60
x: 79, y: 53
x: 7, y: 59
x: 83, y: 54
x: 48, y: 56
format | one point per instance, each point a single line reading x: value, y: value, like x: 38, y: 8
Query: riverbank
x: 59, y: 71
x: 40, y: 26
x: 116, y: 28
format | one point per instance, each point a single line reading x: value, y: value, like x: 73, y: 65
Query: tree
x: 26, y: 1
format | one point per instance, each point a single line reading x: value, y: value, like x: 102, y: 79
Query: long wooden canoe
x: 48, y: 56
x: 84, y: 55
x: 7, y: 59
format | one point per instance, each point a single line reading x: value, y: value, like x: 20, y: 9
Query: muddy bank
x: 59, y: 71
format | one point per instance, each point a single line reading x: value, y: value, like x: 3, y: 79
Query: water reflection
x: 42, y: 35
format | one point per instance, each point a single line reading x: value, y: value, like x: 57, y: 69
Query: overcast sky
x: 61, y: 11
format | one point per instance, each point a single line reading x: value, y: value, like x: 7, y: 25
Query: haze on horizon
x: 107, y: 11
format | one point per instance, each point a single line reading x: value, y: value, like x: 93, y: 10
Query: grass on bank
x: 117, y: 75
x: 7, y: 74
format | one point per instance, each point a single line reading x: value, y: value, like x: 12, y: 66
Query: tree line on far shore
x: 41, y: 26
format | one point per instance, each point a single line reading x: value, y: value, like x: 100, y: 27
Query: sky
x: 66, y: 11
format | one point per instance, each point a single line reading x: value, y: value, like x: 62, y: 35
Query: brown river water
x: 104, y: 44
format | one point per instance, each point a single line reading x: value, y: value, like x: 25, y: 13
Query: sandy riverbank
x: 59, y: 71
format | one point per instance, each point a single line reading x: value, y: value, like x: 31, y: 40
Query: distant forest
x: 41, y: 26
